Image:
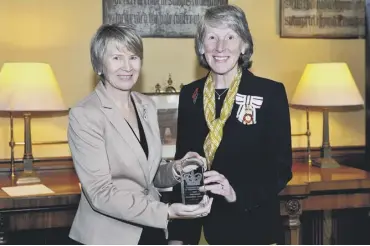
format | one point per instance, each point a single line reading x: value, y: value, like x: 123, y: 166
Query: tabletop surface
x: 305, y: 180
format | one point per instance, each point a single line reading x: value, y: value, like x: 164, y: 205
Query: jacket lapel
x: 144, y: 115
x: 119, y: 122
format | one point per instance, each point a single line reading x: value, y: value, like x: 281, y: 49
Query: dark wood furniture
x: 42, y: 211
x: 367, y: 80
x: 310, y: 189
x: 314, y: 189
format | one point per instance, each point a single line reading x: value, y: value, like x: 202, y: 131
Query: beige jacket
x: 118, y: 193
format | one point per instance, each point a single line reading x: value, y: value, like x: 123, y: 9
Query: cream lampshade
x: 26, y: 88
x: 327, y: 86
x: 29, y: 87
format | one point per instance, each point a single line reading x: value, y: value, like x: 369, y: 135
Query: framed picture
x: 159, y: 18
x: 322, y: 19
x: 167, y: 104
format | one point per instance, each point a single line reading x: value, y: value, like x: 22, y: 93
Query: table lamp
x: 29, y: 88
x: 327, y: 87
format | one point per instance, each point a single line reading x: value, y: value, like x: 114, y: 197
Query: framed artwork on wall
x: 158, y: 18
x: 322, y: 18
x: 167, y: 106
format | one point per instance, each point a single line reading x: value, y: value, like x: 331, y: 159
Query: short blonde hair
x: 107, y: 33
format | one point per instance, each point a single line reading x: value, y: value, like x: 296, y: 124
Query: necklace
x: 219, y: 95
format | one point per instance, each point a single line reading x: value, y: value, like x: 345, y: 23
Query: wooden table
x: 310, y: 189
x: 41, y: 211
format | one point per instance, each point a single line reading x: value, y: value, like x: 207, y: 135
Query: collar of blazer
x: 197, y: 92
x: 118, y: 121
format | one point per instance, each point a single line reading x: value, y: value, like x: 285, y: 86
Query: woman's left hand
x: 179, y: 167
x: 218, y: 184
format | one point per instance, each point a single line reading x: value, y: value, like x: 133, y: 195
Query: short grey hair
x: 122, y: 34
x: 234, y: 18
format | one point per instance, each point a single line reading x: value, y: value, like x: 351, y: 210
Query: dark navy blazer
x: 255, y: 158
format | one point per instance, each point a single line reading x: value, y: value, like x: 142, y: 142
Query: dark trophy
x: 191, y: 180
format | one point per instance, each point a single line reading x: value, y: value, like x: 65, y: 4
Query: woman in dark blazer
x: 240, y: 122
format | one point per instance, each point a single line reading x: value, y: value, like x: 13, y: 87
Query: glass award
x: 191, y: 180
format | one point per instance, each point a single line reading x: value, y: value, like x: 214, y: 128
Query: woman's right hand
x: 182, y: 211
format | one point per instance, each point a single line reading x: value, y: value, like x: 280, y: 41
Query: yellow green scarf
x: 216, y: 126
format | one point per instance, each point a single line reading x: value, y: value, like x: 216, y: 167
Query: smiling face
x: 222, y: 48
x: 121, y: 68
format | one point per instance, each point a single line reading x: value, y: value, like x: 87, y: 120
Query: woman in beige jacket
x: 115, y: 144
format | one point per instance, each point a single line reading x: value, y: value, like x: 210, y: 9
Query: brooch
x: 195, y: 95
x: 145, y: 113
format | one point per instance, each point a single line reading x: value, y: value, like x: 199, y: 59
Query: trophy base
x: 192, y: 199
x: 28, y: 178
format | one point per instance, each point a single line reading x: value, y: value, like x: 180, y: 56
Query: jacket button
x: 146, y: 192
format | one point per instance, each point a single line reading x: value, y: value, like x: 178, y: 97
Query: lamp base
x: 325, y: 163
x: 28, y: 178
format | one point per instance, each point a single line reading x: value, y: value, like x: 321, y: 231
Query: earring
x: 99, y: 73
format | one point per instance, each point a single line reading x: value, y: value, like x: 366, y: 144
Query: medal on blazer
x: 247, y: 110
x: 248, y: 115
